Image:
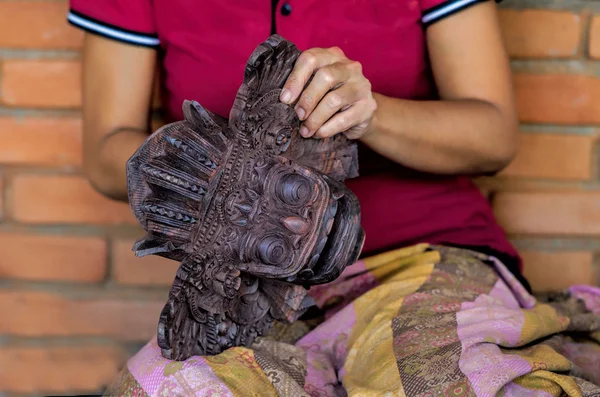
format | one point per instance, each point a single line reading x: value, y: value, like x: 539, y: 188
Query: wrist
x: 375, y: 125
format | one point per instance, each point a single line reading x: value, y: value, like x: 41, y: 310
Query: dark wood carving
x: 255, y: 213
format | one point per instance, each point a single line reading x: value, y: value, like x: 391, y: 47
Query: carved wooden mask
x: 254, y: 212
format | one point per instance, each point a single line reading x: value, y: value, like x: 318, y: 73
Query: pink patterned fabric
x: 161, y: 377
x: 590, y: 295
x: 420, y: 322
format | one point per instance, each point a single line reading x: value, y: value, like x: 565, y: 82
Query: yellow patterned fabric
x: 420, y: 321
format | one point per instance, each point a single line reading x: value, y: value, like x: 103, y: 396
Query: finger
x: 325, y: 79
x: 308, y: 62
x: 336, y: 100
x: 344, y: 121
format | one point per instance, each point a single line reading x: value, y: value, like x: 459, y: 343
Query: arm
x: 471, y: 130
x: 117, y: 93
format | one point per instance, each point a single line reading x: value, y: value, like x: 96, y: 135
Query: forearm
x: 117, y: 93
x: 106, y: 170
x: 443, y: 137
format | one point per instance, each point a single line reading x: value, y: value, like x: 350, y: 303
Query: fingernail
x: 286, y: 95
x: 300, y: 112
x: 304, y: 131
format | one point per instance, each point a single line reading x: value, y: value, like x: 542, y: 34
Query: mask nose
x: 296, y: 225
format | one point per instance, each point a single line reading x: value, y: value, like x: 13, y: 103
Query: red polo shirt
x: 204, y: 47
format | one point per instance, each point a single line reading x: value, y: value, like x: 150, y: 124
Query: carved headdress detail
x: 254, y: 212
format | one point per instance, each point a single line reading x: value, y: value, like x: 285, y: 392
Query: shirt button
x: 286, y: 9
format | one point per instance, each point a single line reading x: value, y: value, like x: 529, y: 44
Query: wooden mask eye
x: 294, y: 189
x: 273, y: 250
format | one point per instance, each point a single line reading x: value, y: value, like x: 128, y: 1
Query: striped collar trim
x: 111, y: 31
x: 446, y: 9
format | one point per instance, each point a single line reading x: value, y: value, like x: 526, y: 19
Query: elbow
x: 103, y: 185
x: 502, y: 151
x: 501, y: 156
x: 102, y: 182
x: 105, y: 163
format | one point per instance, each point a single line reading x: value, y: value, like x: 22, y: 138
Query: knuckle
x: 344, y: 123
x: 307, y: 100
x: 334, y: 100
x: 355, y: 66
x: 293, y: 80
x: 341, y: 68
x: 309, y: 58
x: 311, y: 125
x: 363, y: 92
x: 336, y: 51
x: 327, y: 75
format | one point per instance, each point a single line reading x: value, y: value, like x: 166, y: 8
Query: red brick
x: 540, y: 33
x: 29, y: 24
x: 554, y: 271
x: 594, y: 37
x: 558, y: 98
x: 149, y: 270
x: 556, y: 213
x: 58, y: 369
x: 1, y: 198
x: 52, y: 258
x: 41, y: 83
x: 553, y: 156
x: 40, y: 141
x: 35, y: 314
x: 64, y: 199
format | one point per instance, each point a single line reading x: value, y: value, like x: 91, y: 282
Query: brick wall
x: 548, y: 199
x: 74, y: 302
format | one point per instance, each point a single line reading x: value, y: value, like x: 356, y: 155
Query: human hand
x: 338, y: 98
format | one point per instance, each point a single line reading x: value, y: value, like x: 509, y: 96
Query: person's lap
x: 420, y: 321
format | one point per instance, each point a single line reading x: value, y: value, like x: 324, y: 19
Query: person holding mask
x: 424, y: 87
